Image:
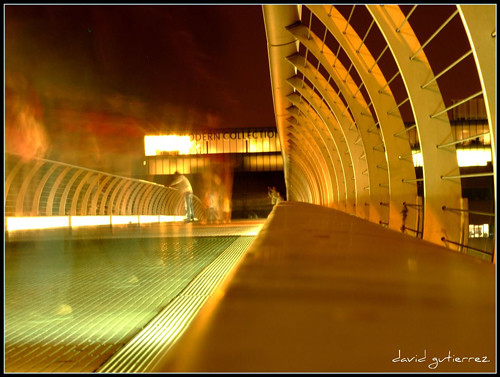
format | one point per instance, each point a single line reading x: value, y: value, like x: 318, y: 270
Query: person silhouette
x: 181, y: 183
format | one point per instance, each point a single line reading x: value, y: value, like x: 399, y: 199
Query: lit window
x: 473, y: 157
x: 465, y: 157
x: 157, y: 145
x: 479, y: 231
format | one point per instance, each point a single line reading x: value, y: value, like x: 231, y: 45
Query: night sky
x: 84, y: 84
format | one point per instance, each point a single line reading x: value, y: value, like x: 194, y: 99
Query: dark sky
x: 84, y: 84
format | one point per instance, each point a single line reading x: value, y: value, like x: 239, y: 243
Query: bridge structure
x: 365, y: 267
x: 39, y: 189
x: 344, y: 123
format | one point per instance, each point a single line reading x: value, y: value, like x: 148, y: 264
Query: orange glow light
x: 25, y: 223
x: 48, y: 222
x: 155, y: 145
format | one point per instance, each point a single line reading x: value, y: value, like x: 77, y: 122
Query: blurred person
x: 182, y: 184
x: 205, y: 207
x: 279, y: 198
x: 274, y: 195
x: 271, y: 193
x: 226, y: 210
x: 213, y: 209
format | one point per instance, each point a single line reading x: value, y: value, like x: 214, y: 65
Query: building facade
x: 232, y: 164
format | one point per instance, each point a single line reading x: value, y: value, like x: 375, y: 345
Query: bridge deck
x: 323, y: 291
x: 76, y: 301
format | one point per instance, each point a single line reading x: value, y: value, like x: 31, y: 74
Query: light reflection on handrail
x: 51, y: 222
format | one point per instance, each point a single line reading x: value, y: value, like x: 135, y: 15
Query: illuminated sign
x: 234, y: 135
x: 262, y: 140
x: 156, y: 145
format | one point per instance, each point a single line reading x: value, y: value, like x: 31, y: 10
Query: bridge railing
x: 45, y: 188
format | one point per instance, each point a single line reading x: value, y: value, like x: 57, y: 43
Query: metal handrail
x: 159, y: 199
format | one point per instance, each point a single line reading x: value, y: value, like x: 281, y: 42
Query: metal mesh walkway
x: 71, y: 303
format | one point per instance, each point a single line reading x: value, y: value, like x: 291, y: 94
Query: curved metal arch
x: 106, y: 197
x: 309, y: 175
x: 47, y: 189
x: 297, y: 190
x: 164, y: 206
x: 128, y: 198
x: 432, y: 131
x: 340, y: 141
x: 119, y: 187
x: 314, y: 134
x: 349, y: 197
x: 337, y: 107
x: 31, y: 193
x: 280, y: 44
x: 164, y: 202
x: 149, y: 199
x: 303, y: 181
x: 325, y: 184
x: 181, y: 206
x: 326, y: 165
x: 136, y: 203
x: 318, y: 178
x: 400, y: 181
x: 64, y: 187
x: 480, y: 25
x: 25, y: 186
x: 53, y: 190
x: 334, y: 164
x: 383, y: 102
x: 39, y: 189
x: 144, y: 199
x: 359, y: 109
x: 67, y: 188
x: 169, y: 208
x: 88, y: 193
x: 10, y: 177
x: 153, y: 203
x: 98, y: 197
x: 119, y: 207
x: 324, y: 127
x: 79, y: 188
x: 148, y: 208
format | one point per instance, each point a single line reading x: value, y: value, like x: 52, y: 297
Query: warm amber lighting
x: 25, y: 223
x: 228, y: 141
x: 167, y: 219
x: 156, y: 145
x: 417, y: 159
x: 48, y: 222
x: 115, y: 220
x: 89, y: 220
x: 473, y: 157
x: 254, y: 231
x: 465, y: 157
x: 479, y: 231
x: 143, y: 219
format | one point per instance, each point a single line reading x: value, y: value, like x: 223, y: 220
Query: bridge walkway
x: 323, y: 291
x: 75, y: 298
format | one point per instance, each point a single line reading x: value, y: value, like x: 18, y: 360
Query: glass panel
x: 166, y: 166
x: 187, y: 165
